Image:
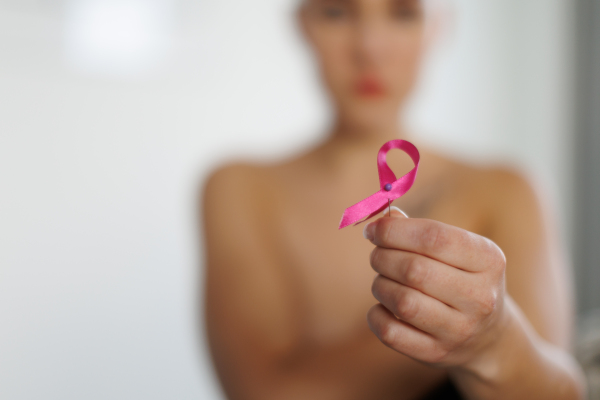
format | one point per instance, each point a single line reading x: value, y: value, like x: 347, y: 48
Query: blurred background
x: 112, y: 112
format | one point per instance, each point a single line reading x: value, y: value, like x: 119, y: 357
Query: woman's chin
x: 371, y: 121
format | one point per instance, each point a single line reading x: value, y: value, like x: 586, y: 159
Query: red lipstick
x: 369, y: 87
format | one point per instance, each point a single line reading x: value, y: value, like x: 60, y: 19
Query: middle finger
x: 416, y: 308
x: 443, y: 282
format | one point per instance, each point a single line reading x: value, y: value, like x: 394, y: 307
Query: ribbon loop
x: 391, y: 188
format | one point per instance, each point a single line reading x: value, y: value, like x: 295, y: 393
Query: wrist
x: 519, y: 364
x: 496, y: 360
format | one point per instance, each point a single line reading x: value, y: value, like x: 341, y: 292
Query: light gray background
x: 101, y: 159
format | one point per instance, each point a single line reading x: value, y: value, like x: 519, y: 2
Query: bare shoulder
x: 511, y: 195
x: 233, y: 190
x: 228, y: 207
x: 249, y: 186
x: 498, y: 185
x: 511, y: 201
x: 506, y: 183
x: 501, y: 196
x: 231, y: 178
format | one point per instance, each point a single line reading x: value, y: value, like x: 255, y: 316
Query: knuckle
x: 416, y: 273
x: 438, y: 355
x: 487, y: 303
x: 375, y: 258
x: 407, y: 307
x: 375, y: 286
x: 500, y: 260
x: 434, y: 238
x: 496, y: 257
x: 387, y: 335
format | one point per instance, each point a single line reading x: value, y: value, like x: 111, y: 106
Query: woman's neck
x: 349, y: 136
x: 356, y: 146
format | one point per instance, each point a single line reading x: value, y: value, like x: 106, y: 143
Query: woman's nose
x: 370, y: 42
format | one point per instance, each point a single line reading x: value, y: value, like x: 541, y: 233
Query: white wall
x: 99, y: 261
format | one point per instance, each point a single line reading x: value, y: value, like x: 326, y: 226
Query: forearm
x: 335, y: 372
x: 521, y: 366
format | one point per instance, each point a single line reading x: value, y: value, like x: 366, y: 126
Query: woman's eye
x: 405, y: 14
x: 406, y: 10
x: 334, y: 12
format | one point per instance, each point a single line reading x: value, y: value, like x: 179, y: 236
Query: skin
x: 473, y: 287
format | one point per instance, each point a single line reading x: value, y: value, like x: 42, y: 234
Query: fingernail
x: 396, y: 210
x: 368, y: 231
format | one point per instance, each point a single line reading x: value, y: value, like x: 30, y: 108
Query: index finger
x: 446, y: 243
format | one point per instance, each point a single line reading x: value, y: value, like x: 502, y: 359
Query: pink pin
x: 391, y: 188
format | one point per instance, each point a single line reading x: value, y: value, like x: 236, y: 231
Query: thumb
x: 392, y: 212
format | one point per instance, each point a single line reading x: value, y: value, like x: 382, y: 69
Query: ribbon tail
x: 374, y: 213
x: 354, y: 214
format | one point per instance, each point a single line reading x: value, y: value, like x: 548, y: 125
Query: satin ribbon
x: 391, y: 188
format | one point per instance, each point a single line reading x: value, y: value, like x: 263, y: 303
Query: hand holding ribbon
x: 391, y: 188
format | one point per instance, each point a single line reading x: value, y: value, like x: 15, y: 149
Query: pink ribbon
x: 391, y: 188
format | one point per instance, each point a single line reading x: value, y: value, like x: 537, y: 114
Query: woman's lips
x: 369, y: 87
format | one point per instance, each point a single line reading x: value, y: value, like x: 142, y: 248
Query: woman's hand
x: 441, y: 290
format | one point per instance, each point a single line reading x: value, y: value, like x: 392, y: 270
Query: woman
x: 292, y: 304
